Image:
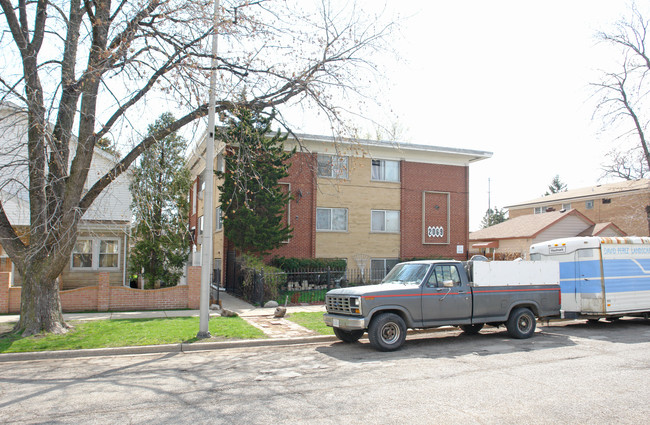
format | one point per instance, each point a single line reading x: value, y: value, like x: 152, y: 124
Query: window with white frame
x: 82, y: 254
x: 589, y: 205
x: 539, y: 210
x: 219, y: 223
x: 384, y: 221
x: 385, y: 170
x: 332, y: 166
x: 109, y: 254
x: 566, y: 206
x: 201, y: 225
x: 332, y: 219
x: 96, y: 254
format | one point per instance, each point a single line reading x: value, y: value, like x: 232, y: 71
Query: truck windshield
x: 407, y: 274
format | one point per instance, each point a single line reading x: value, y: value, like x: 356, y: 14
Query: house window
x: 332, y: 219
x: 607, y: 201
x: 539, y: 210
x: 379, y: 267
x: 201, y: 225
x: 332, y: 166
x: 82, y: 254
x: 385, y: 170
x: 109, y: 254
x: 566, y: 206
x: 589, y: 205
x: 96, y: 254
x: 219, y: 223
x: 384, y: 221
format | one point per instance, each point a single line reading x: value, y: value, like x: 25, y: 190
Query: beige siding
x: 569, y: 226
x: 360, y: 196
x: 514, y: 245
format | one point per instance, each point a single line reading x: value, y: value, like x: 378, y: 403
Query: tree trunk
x: 40, y: 303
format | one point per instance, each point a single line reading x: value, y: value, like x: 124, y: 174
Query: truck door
x: 446, y: 298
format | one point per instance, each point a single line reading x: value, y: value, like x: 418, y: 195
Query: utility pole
x: 489, y: 194
x: 208, y: 207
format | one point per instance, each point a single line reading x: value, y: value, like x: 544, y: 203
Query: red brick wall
x: 418, y: 178
x: 5, y: 280
x: 104, y: 297
x: 302, y: 178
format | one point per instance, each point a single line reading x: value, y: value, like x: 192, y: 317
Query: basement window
x: 607, y: 201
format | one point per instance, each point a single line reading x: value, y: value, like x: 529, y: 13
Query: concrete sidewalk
x: 228, y: 302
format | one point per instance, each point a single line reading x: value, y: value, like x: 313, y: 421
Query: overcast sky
x: 510, y: 77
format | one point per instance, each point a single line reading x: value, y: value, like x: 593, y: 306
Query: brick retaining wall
x: 103, y: 297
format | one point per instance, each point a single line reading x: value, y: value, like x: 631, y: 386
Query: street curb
x: 186, y: 347
x: 166, y: 348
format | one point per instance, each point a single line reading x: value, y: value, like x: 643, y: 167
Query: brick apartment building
x: 368, y: 202
x: 622, y: 203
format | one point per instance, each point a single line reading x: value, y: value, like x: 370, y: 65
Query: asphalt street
x: 568, y: 373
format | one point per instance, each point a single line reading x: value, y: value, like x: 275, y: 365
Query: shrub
x: 251, y: 268
x: 312, y: 270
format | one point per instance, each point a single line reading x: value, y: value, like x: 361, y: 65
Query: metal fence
x: 302, y: 286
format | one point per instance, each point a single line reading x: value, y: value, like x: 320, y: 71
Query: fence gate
x: 231, y: 272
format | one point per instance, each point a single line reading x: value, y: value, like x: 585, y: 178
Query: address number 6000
x: 435, y: 231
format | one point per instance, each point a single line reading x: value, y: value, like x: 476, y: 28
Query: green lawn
x: 313, y: 321
x: 129, y: 332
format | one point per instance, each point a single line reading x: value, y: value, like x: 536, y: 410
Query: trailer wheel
x: 387, y: 332
x: 472, y: 329
x: 348, y: 336
x: 521, y: 323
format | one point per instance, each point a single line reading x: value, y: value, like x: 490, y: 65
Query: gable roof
x: 599, y: 228
x: 588, y: 193
x: 525, y: 226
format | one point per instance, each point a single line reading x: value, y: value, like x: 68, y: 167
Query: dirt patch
x: 5, y: 328
x: 274, y: 327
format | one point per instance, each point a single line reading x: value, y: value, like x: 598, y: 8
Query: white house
x: 103, y: 233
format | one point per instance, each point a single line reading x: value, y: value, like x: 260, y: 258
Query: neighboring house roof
x: 16, y: 209
x: 525, y: 226
x: 587, y: 193
x: 598, y: 228
x: 112, y: 206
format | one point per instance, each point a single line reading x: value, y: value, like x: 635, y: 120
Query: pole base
x: 203, y: 335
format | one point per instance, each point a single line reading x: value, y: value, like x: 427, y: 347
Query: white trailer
x: 600, y: 277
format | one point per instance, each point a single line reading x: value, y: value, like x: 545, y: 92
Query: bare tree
x: 90, y: 68
x: 623, y: 97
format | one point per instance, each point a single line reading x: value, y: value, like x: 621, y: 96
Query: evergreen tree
x: 160, y: 186
x: 251, y: 199
x: 556, y: 186
x: 492, y: 217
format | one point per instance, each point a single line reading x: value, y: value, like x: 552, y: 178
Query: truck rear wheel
x: 348, y: 336
x: 472, y: 329
x: 521, y: 323
x: 387, y: 332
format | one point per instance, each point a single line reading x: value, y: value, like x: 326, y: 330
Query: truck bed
x: 515, y: 273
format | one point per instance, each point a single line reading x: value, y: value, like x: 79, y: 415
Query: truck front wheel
x: 521, y: 323
x: 348, y: 336
x: 387, y: 332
